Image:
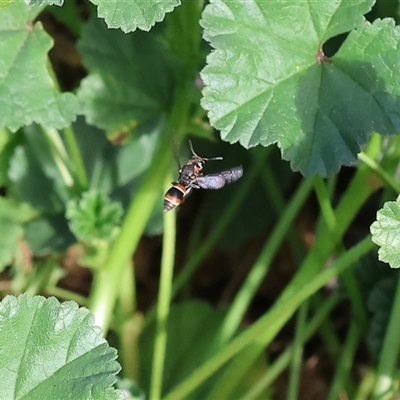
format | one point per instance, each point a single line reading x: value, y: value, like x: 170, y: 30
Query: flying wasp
x: 190, y: 177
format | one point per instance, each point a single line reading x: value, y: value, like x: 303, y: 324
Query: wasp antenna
x: 215, y: 159
x: 192, y: 150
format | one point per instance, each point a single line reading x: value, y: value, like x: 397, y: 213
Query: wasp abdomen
x: 173, y: 198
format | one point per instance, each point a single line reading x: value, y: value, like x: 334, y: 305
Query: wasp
x: 190, y: 177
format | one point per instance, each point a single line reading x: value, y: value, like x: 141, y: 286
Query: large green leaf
x: 132, y: 14
x: 53, y: 351
x: 268, y: 80
x: 27, y: 91
x: 131, y: 78
x: 386, y: 233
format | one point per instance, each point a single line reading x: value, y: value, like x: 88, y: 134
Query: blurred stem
x: 344, y: 364
x: 298, y: 349
x: 258, y: 271
x: 365, y: 388
x: 128, y: 325
x: 220, y: 226
x: 76, y: 158
x: 281, y: 363
x: 358, y: 191
x: 327, y: 332
x: 216, y: 233
x: 164, y: 299
x: 66, y: 294
x: 279, y: 203
x: 59, y: 155
x: 384, y: 385
x: 107, y: 281
x: 324, y: 202
x: 264, y: 329
x: 379, y: 171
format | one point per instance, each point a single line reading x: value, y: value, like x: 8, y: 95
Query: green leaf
x: 48, y: 233
x: 11, y: 217
x: 53, y: 351
x: 132, y: 14
x: 10, y: 233
x: 268, y: 80
x: 27, y: 91
x: 33, y: 183
x: 131, y: 78
x: 386, y: 233
x: 93, y: 217
x: 380, y: 303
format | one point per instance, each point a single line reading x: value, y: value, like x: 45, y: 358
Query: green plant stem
x: 379, y: 171
x: 265, y: 329
x: 220, y: 226
x: 325, y: 243
x: 281, y: 363
x: 279, y: 204
x: 324, y: 202
x: 66, y: 294
x: 253, y: 280
x: 76, y: 157
x: 390, y: 352
x: 59, y: 155
x: 298, y: 350
x: 107, y: 281
x: 163, y: 304
x: 366, y: 386
x: 202, y: 251
x: 327, y: 332
x: 343, y: 367
x: 128, y: 325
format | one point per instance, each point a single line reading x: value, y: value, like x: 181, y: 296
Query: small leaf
x: 10, y: 233
x: 93, y: 217
x: 386, y: 233
x: 11, y: 217
x: 27, y: 92
x: 132, y: 14
x: 53, y: 351
x: 268, y: 80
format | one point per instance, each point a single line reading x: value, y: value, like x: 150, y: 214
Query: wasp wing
x: 220, y: 179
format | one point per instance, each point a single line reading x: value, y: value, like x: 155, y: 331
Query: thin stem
x: 220, y: 226
x: 164, y: 299
x: 202, y: 251
x: 389, y: 356
x: 76, y: 157
x: 345, y: 362
x: 379, y: 171
x: 297, y: 354
x: 259, y: 269
x: 281, y: 363
x: 262, y: 331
